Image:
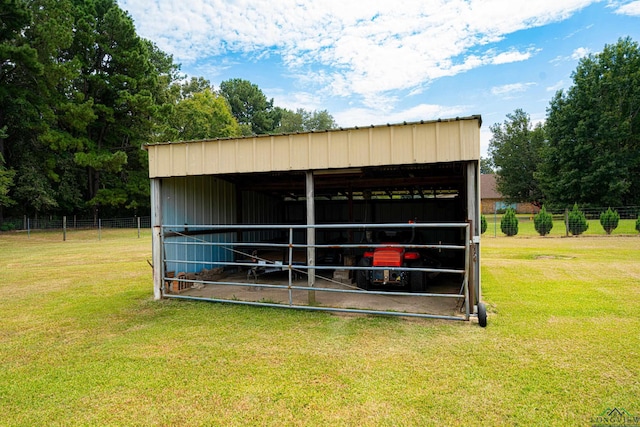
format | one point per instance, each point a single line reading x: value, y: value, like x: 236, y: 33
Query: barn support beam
x: 473, y: 216
x: 156, y: 238
x: 311, y: 235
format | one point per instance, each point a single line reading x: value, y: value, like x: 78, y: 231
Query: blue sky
x: 381, y: 61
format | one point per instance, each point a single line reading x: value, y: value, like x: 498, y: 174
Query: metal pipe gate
x: 235, y: 249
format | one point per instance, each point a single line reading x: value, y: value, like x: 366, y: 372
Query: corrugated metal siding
x: 381, y: 211
x: 197, y: 200
x: 427, y: 142
x: 261, y: 209
x: 202, y: 200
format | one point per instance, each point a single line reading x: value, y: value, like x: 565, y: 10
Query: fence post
x: 28, y: 228
x: 138, y: 227
x: 64, y: 228
x: 99, y: 229
x: 566, y: 222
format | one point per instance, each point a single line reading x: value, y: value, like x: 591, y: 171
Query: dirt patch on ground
x: 553, y: 257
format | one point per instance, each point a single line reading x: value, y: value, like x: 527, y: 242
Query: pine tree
x: 509, y: 223
x: 543, y: 222
x: 609, y: 220
x: 577, y: 221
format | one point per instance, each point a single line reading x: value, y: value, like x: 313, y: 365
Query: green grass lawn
x: 83, y: 343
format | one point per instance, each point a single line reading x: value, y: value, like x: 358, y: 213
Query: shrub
x: 7, y: 226
x: 638, y: 224
x: 509, y: 223
x: 577, y: 222
x: 483, y: 224
x: 609, y: 220
x: 543, y: 222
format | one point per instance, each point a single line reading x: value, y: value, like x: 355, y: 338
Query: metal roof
x: 424, y: 142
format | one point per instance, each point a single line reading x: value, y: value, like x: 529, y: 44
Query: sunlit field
x: 83, y: 343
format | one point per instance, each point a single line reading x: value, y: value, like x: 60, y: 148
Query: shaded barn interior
x: 224, y: 204
x: 398, y: 194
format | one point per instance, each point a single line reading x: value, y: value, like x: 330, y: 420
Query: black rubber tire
x: 482, y: 315
x: 362, y: 276
x: 417, y: 280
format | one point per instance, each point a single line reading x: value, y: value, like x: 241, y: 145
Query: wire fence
x: 66, y: 224
x: 496, y: 225
x: 501, y: 224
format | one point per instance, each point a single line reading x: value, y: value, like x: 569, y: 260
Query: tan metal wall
x: 425, y: 142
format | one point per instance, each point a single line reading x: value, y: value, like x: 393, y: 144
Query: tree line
x: 80, y: 92
x: 587, y: 151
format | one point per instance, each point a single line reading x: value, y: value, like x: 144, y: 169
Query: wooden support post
x: 473, y: 217
x: 311, y: 235
x: 156, y: 238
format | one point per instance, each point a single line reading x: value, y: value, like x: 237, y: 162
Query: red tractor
x: 396, y: 264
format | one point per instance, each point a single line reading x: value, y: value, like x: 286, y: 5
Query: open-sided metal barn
x: 379, y: 219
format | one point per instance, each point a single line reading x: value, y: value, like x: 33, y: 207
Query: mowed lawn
x: 83, y: 343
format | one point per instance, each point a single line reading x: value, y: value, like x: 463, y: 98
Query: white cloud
x: 509, y: 90
x: 294, y: 100
x: 358, y: 116
x: 631, y: 9
x: 511, y: 56
x: 580, y: 53
x: 364, y: 48
x: 556, y: 87
x: 576, y: 55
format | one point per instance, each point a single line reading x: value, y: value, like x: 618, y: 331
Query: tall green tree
x: 113, y: 93
x: 302, y: 120
x: 108, y: 105
x: 251, y: 108
x: 6, y: 179
x: 80, y: 92
x: 593, y: 131
x: 48, y: 178
x: 290, y: 121
x: 486, y: 165
x: 318, y: 120
x: 19, y: 72
x: 515, y: 149
x: 202, y: 115
x: 194, y: 110
x: 19, y: 66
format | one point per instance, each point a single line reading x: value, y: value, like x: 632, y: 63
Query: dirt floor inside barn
x: 261, y: 289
